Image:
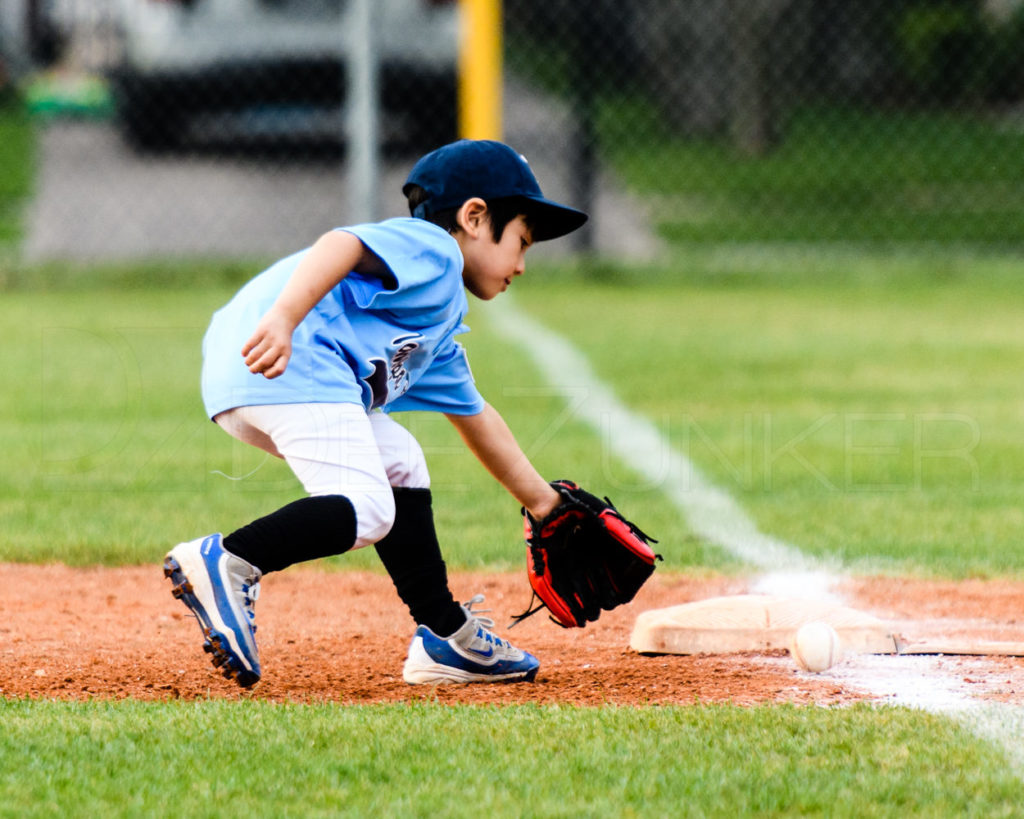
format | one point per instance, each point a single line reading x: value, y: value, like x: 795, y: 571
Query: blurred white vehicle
x: 274, y: 71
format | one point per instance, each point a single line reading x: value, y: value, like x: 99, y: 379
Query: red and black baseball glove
x: 584, y: 557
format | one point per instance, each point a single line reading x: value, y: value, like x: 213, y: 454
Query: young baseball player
x: 307, y: 362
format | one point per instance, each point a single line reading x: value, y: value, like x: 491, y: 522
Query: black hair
x: 502, y: 211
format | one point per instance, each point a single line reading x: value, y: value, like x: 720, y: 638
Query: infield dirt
x: 326, y: 636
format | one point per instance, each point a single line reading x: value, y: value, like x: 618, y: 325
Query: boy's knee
x: 375, y: 515
x: 411, y: 475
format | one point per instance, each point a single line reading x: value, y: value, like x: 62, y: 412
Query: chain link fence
x: 221, y: 129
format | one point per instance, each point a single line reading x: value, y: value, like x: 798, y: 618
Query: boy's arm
x: 331, y: 259
x: 489, y: 438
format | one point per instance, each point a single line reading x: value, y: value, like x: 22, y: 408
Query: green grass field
x: 824, y: 408
x: 872, y: 417
x: 216, y: 758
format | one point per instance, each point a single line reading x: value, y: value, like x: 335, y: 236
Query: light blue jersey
x: 362, y: 343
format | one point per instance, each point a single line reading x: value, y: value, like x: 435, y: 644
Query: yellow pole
x: 480, y: 69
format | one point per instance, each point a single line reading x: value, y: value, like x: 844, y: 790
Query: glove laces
x: 530, y: 611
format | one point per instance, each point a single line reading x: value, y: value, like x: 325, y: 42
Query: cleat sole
x: 446, y: 675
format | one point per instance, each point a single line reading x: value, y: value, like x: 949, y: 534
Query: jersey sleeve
x: 447, y: 386
x: 425, y: 265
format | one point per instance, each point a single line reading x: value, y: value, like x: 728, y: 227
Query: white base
x: 753, y: 622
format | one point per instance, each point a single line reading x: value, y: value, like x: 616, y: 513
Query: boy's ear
x: 472, y: 215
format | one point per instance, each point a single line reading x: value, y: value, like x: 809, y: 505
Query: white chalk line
x: 715, y: 516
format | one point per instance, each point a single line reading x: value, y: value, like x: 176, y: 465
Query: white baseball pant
x: 338, y: 449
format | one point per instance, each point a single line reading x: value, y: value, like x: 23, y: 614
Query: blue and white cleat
x: 219, y: 588
x: 471, y: 654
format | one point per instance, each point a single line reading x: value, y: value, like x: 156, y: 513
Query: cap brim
x: 552, y: 220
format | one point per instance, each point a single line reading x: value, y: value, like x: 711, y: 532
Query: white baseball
x: 815, y: 647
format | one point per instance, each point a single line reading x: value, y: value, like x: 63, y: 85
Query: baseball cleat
x: 219, y: 589
x: 471, y: 654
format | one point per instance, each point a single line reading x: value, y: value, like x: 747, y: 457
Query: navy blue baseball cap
x: 491, y: 170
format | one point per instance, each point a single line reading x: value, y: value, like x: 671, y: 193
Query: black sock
x: 303, y: 530
x: 412, y: 556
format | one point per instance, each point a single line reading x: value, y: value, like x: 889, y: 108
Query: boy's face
x: 490, y: 266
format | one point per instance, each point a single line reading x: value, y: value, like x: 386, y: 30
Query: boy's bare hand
x: 269, y: 348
